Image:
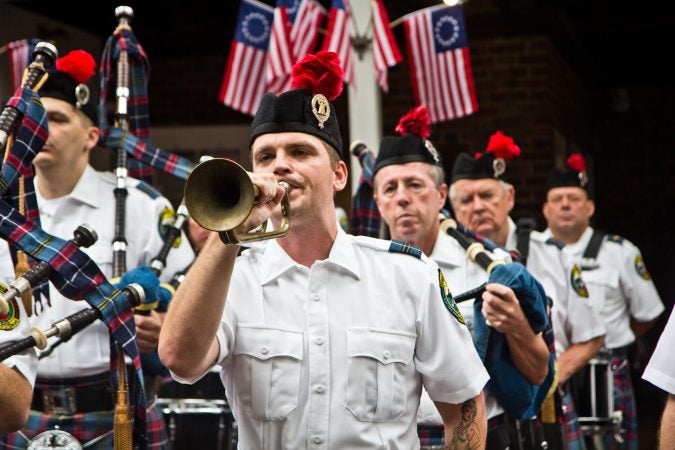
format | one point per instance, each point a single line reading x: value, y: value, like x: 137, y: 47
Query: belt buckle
x: 54, y: 440
x: 59, y: 401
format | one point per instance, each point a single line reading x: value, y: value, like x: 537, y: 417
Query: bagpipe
x: 520, y: 399
x: 132, y: 294
x: 44, y: 56
x: 35, y: 74
x: 84, y: 236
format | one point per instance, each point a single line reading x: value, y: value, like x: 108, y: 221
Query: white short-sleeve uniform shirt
x: 335, y: 356
x: 574, y: 319
x: 92, y: 202
x: 620, y: 286
x: 661, y: 368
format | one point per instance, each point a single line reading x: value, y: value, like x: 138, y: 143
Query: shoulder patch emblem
x: 448, y: 301
x: 408, y: 249
x: 146, y: 188
x: 166, y: 220
x: 578, y: 282
x: 641, y: 268
x: 614, y: 238
x: 12, y: 319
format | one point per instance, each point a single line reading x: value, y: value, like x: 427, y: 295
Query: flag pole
x: 365, y: 103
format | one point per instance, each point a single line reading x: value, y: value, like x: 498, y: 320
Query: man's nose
x: 477, y: 203
x: 282, y: 164
x: 402, y: 196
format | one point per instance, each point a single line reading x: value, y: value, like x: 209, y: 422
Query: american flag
x: 385, y: 49
x: 296, y: 29
x: 337, y: 36
x: 280, y: 52
x: 305, y: 29
x: 244, y: 80
x: 20, y: 56
x: 440, y: 67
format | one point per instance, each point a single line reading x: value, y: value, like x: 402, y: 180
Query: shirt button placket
x: 319, y: 360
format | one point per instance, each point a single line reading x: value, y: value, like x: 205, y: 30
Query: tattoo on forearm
x: 467, y: 434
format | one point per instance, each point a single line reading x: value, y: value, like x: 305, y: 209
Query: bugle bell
x: 220, y: 195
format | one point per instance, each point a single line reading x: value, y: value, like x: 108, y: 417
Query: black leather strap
x: 593, y: 247
x: 81, y: 399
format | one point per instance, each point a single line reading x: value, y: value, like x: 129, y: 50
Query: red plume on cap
x: 78, y: 64
x: 502, y: 146
x: 417, y: 121
x: 320, y: 74
x: 576, y: 162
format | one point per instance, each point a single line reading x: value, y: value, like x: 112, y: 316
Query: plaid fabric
x: 94, y: 429
x: 365, y: 217
x: 157, y: 435
x: 430, y: 434
x: 570, y: 423
x: 624, y: 400
x: 76, y: 276
x: 405, y: 248
x: 28, y: 141
x: 154, y: 157
x: 139, y: 67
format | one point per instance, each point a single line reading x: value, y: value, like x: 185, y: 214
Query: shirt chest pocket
x: 267, y: 365
x: 602, y: 286
x: 379, y: 363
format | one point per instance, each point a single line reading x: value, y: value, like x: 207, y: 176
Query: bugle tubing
x: 220, y: 195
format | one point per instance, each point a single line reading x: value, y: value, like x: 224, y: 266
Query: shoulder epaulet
x: 389, y: 246
x: 149, y: 190
x: 614, y: 238
x: 407, y: 249
x: 555, y: 242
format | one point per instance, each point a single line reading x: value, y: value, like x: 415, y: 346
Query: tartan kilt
x: 93, y: 430
x: 574, y: 438
x: 624, y: 400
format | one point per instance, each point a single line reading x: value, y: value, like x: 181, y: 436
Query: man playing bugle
x: 325, y: 339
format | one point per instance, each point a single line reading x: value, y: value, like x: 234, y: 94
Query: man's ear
x: 93, y: 135
x: 341, y: 176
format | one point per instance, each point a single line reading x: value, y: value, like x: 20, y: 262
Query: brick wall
x: 525, y: 89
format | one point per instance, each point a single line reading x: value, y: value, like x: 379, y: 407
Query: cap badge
x: 498, y: 167
x: 583, y: 178
x: 81, y: 95
x: 434, y: 153
x: 320, y: 109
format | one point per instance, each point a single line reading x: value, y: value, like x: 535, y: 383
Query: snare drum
x: 197, y: 415
x: 592, y: 389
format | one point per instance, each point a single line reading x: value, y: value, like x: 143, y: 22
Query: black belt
x: 621, y: 352
x: 68, y: 398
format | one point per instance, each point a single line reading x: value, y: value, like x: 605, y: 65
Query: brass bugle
x: 220, y: 195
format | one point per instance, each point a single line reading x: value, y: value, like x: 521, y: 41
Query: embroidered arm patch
x: 448, y: 301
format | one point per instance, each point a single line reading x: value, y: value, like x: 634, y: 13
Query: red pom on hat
x: 320, y: 74
x: 78, y: 64
x: 576, y: 162
x: 417, y: 121
x: 502, y: 146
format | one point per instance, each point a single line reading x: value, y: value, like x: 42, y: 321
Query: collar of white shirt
x: 277, y: 261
